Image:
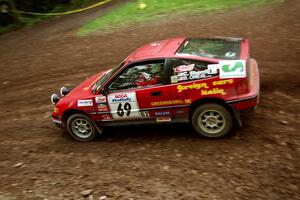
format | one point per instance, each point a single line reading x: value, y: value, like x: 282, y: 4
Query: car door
x: 139, y: 92
x: 188, y: 79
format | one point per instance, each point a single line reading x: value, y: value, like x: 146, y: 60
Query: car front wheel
x: 212, y: 120
x: 81, y: 128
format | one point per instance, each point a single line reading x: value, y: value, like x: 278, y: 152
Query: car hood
x: 83, y: 90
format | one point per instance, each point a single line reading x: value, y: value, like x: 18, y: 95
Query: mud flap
x: 99, y: 130
x: 237, y: 116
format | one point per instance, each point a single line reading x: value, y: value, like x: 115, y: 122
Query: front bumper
x: 57, y: 121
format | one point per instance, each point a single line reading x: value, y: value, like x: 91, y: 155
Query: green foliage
x: 9, y: 22
x: 8, y: 28
x: 135, y: 11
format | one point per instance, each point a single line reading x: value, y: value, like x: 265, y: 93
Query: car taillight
x: 242, y: 87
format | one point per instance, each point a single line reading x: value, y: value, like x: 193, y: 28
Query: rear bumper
x: 243, y: 106
x: 57, y: 121
x: 249, y: 103
x: 250, y: 99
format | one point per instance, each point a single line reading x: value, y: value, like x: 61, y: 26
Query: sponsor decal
x: 83, y: 103
x: 55, y: 110
x: 185, y: 72
x: 204, y: 88
x: 163, y: 113
x: 123, y: 105
x: 213, y: 68
x: 183, y: 76
x: 196, y: 86
x: 230, y: 54
x: 120, y: 98
x: 174, y: 79
x: 100, y: 99
x: 102, y: 107
x: 188, y: 101
x: 171, y: 102
x: 232, y: 69
x: 223, y: 82
x: 106, y: 117
x: 200, y: 74
x: 184, y: 68
x: 213, y: 91
x: 144, y: 114
x: 163, y: 119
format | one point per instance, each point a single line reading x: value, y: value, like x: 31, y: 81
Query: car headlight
x: 64, y: 91
x: 54, y: 98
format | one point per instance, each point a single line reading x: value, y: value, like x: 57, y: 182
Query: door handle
x: 156, y: 93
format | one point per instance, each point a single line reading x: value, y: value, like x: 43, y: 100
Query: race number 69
x: 122, y: 109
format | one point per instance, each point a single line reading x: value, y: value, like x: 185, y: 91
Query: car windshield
x: 228, y: 49
x: 105, y: 77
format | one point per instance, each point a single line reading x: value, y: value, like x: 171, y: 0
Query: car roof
x: 159, y: 49
x: 168, y: 48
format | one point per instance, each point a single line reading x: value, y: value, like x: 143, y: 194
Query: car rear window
x: 228, y: 49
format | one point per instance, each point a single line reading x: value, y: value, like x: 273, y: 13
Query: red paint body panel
x: 160, y: 49
x: 173, y: 99
x: 250, y: 99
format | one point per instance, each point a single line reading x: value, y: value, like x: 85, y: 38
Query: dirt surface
x: 39, y: 161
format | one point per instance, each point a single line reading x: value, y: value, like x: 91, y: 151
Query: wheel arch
x: 70, y: 112
x: 235, y: 115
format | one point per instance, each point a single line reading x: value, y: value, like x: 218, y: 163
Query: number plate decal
x: 123, y: 105
x: 144, y: 114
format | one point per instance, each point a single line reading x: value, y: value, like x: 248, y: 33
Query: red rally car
x: 204, y: 81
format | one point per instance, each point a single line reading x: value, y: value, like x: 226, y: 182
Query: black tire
x: 212, y: 120
x: 81, y: 128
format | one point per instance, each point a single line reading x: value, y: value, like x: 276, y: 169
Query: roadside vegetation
x: 143, y: 10
x: 131, y: 12
x: 10, y: 19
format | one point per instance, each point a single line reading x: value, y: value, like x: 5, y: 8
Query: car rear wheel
x: 212, y: 120
x: 81, y: 128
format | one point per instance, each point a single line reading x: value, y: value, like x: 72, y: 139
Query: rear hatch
x: 215, y: 48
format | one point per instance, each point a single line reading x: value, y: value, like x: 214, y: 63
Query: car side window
x: 188, y: 70
x: 138, y: 76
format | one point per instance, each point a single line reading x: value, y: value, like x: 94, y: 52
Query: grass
x: 134, y: 12
x: 29, y: 20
